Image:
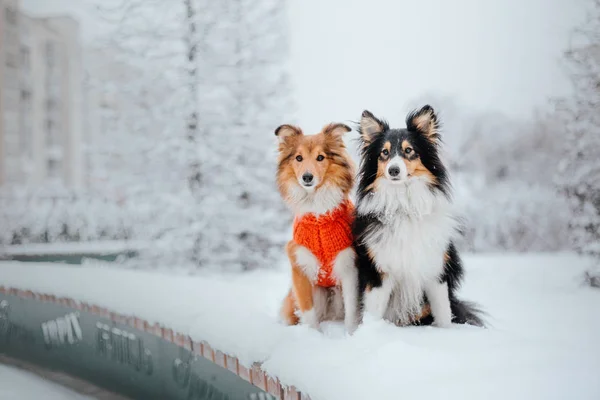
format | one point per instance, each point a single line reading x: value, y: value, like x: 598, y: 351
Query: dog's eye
x: 408, y: 150
x: 320, y: 157
x: 385, y: 152
x: 298, y: 158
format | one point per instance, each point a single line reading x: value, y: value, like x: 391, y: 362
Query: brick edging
x: 254, y: 375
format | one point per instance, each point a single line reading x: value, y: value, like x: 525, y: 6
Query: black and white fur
x: 405, y: 227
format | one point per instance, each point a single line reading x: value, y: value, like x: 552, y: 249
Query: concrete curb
x: 254, y: 375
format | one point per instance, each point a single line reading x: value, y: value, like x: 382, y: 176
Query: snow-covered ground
x: 17, y: 384
x: 543, y: 341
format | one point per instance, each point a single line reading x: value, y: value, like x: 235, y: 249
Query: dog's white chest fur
x: 409, y: 245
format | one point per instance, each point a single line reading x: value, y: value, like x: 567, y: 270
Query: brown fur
x: 413, y: 163
x: 425, y: 312
x: 415, y: 167
x: 425, y: 123
x: 336, y: 169
x: 288, y: 309
x: 369, y: 127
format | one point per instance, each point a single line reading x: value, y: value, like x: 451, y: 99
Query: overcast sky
x: 348, y: 55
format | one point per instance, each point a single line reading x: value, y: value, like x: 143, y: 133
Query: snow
x: 542, y: 340
x: 97, y: 247
x: 18, y: 384
x: 501, y: 157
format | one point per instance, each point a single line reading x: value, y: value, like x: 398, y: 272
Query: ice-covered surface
x: 22, y: 385
x: 543, y: 341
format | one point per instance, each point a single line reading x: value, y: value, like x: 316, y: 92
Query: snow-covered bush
x: 502, y: 171
x: 211, y: 80
x: 579, y: 174
x: 511, y: 216
x: 61, y: 216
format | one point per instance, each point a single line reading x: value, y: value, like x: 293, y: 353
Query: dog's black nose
x: 307, y: 177
x: 394, y: 170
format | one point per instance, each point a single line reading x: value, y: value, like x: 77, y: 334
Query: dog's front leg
x: 377, y: 298
x: 347, y: 274
x: 439, y: 300
x: 304, y: 271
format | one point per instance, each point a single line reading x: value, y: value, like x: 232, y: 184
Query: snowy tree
x: 579, y: 173
x: 224, y: 64
x: 499, y: 169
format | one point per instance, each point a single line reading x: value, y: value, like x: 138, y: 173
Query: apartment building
x: 41, y: 106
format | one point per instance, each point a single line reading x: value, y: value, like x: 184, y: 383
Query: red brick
x: 208, y: 352
x: 258, y: 377
x: 3, y: 290
x: 187, y: 343
x: 232, y: 364
x: 168, y: 334
x: 179, y: 339
x: 244, y: 373
x: 155, y: 329
x: 290, y: 393
x: 274, y: 387
x: 103, y: 312
x: 197, y: 348
x: 29, y: 294
x: 138, y: 323
x: 13, y: 291
x: 220, y: 359
x: 130, y: 321
x: 121, y: 319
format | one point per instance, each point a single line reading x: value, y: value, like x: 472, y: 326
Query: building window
x: 50, y: 104
x: 53, y: 168
x: 25, y: 58
x: 50, y: 53
x: 25, y: 138
x: 50, y: 133
x: 11, y: 60
x: 25, y: 96
x: 10, y: 16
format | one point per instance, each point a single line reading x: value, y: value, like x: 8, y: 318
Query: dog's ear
x: 424, y: 121
x: 285, y: 131
x: 370, y: 127
x: 336, y: 131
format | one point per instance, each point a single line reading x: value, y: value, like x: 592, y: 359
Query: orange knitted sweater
x: 325, y: 236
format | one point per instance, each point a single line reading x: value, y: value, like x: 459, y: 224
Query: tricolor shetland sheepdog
x: 409, y: 268
x: 315, y: 175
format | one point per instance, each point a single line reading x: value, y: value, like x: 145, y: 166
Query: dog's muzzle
x: 396, y: 169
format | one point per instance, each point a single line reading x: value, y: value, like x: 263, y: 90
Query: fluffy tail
x: 466, y: 312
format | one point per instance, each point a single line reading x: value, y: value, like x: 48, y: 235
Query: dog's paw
x: 351, y: 327
x: 369, y: 319
x: 309, y: 318
x: 442, y: 323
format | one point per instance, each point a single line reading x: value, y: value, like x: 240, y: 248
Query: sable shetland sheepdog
x: 409, y: 269
x: 315, y: 175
